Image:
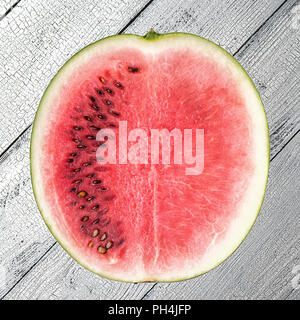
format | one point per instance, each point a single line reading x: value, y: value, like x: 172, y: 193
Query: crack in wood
x: 9, y: 10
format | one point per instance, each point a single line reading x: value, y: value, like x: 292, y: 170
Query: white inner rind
x: 249, y: 207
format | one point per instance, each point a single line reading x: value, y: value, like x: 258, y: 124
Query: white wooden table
x: 37, y: 37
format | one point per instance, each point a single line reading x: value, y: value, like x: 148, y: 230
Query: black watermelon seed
x: 77, y: 140
x: 85, y: 164
x: 108, y: 102
x: 88, y: 118
x: 85, y: 219
x: 101, y: 93
x: 92, y: 99
x: 74, y: 154
x: 108, y: 90
x: 81, y: 146
x: 90, y: 198
x: 73, y: 190
x: 77, y: 170
x: 91, y: 137
x: 114, y: 113
x: 70, y: 160
x: 77, y: 128
x: 81, y: 207
x: 133, y: 69
x: 119, y: 85
x: 95, y: 128
x: 102, y: 116
x: 90, y: 175
x: 95, y: 107
x: 97, y: 181
x: 95, y: 207
x: 96, y: 221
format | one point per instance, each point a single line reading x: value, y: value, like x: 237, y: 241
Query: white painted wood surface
x: 272, y: 58
x: 5, y: 6
x: 41, y: 36
x: 37, y: 37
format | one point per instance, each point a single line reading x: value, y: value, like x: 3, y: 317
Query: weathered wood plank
x: 59, y: 277
x: 18, y: 270
x: 5, y: 6
x: 262, y: 266
x: 228, y: 23
x: 24, y: 238
x: 272, y: 58
x: 37, y: 37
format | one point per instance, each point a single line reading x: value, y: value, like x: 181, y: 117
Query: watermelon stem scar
x: 152, y: 35
x: 150, y: 156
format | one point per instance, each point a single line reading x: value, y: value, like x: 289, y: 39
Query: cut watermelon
x: 150, y: 221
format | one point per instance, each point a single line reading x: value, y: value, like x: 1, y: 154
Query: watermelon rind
x: 41, y: 113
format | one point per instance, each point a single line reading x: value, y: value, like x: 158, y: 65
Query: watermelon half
x: 146, y: 221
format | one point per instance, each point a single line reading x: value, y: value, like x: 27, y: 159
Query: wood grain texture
x: 5, y: 6
x: 37, y: 37
x: 262, y: 266
x: 272, y: 58
x: 26, y: 240
x: 227, y: 23
x: 59, y: 277
x: 24, y: 237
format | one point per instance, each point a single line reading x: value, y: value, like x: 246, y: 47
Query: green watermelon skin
x: 154, y: 222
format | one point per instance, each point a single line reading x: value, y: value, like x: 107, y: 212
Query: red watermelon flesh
x: 147, y: 222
